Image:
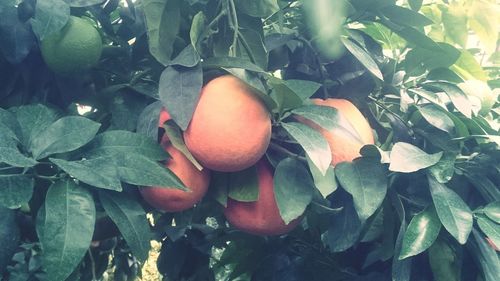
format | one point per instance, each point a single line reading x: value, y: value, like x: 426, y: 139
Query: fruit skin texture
x: 172, y: 199
x: 343, y: 146
x: 260, y: 217
x: 75, y: 48
x: 231, y: 128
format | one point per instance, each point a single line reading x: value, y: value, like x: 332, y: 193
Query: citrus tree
x: 255, y: 140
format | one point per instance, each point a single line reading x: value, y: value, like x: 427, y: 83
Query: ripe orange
x: 231, y: 128
x: 260, y: 217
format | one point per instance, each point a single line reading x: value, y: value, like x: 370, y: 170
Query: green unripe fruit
x: 75, y: 48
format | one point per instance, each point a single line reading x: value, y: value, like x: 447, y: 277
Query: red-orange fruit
x: 260, y: 217
x: 164, y: 116
x: 231, y: 127
x: 172, y: 199
x: 343, y: 145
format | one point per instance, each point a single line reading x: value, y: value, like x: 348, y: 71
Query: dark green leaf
x: 490, y: 228
x: 404, y: 16
x: 17, y: 36
x: 373, y: 151
x: 421, y: 233
x: 9, y: 238
x: 15, y: 190
x: 9, y: 125
x: 283, y: 96
x: 188, y: 57
x: 83, y: 3
x: 487, y: 257
x: 401, y: 269
x: 492, y: 210
x: 454, y: 214
x: 130, y: 218
x: 325, y: 183
x: 437, y: 117
x: 66, y: 230
x: 180, y: 91
x: 147, y: 123
x: 257, y: 8
x: 363, y: 57
x: 303, y: 88
x: 10, y: 154
x: 50, y: 17
x: 198, y: 25
x: 407, y: 158
x: 457, y: 96
x: 112, y: 143
x: 66, y: 134
x: 230, y: 62
x: 293, y: 188
x: 99, y: 172
x: 253, y: 47
x: 443, y: 57
x: 33, y: 120
x: 366, y: 180
x: 175, y: 136
x: 444, y: 261
x: 243, y: 185
x: 163, y: 18
x: 413, y: 36
x: 139, y: 170
x: 444, y: 169
x: 415, y: 4
x: 313, y: 143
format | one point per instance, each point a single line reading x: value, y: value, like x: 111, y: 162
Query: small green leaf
x: 490, y: 228
x: 198, y: 26
x: 453, y: 212
x: 99, y: 172
x: 174, y: 134
x: 363, y: 57
x: 130, y: 218
x: 293, y: 188
x: 492, y: 210
x: 421, y: 233
x: 325, y: 183
x: 313, y: 143
x: 111, y: 143
x: 15, y: 190
x: 366, y: 180
x: 180, y: 90
x: 66, y: 230
x: 437, y: 118
x: 243, y: 185
x: 66, y: 134
x: 407, y: 158
x: 257, y: 8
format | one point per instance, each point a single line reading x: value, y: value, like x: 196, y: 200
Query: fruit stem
x: 234, y: 20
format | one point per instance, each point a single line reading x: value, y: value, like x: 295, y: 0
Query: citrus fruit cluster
x: 231, y: 131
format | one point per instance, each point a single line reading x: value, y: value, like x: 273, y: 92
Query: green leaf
x: 130, y: 218
x: 15, y: 190
x: 313, y: 143
x: 180, y: 90
x: 198, y: 26
x: 163, y: 19
x: 66, y: 134
x: 366, y: 180
x: 421, y: 233
x: 112, y: 143
x: 10, y: 154
x: 257, y: 8
x: 407, y: 158
x: 363, y: 57
x: 230, y: 62
x: 413, y: 36
x: 325, y: 183
x: 486, y: 256
x: 174, y: 134
x: 457, y: 96
x: 444, y: 169
x: 437, y: 117
x: 443, y: 57
x: 293, y: 188
x: 467, y: 67
x: 490, y: 228
x: 50, y: 17
x: 9, y: 238
x: 83, y: 3
x: 453, y: 212
x: 147, y: 123
x: 243, y: 185
x: 483, y: 19
x: 415, y: 4
x: 66, y: 230
x: 444, y: 261
x: 404, y: 16
x: 33, y: 120
x: 9, y: 125
x: 492, y: 210
x: 303, y: 88
x: 99, y: 172
x: 454, y: 18
x: 139, y: 170
x: 188, y: 57
x: 283, y: 96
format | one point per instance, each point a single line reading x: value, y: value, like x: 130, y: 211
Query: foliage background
x: 74, y: 149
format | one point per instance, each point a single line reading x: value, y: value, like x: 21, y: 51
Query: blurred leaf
x: 413, y: 36
x: 421, y: 233
x: 83, y: 3
x: 163, y: 18
x: 444, y: 262
x: 66, y: 134
x: 483, y: 19
x: 444, y: 56
x: 257, y: 8
x: 313, y: 143
x: 457, y: 96
x: 50, y: 17
x: 325, y: 183
x: 490, y: 228
x: 437, y: 117
x: 468, y: 68
x: 15, y: 190
x: 66, y: 230
x: 180, y: 90
x: 363, y: 57
x: 407, y: 158
x: 492, y: 210
x: 9, y: 238
x: 454, y: 18
x: 486, y: 257
x: 415, y: 4
x: 404, y: 16
x: 453, y: 212
x: 99, y: 172
x: 116, y: 142
x: 130, y: 218
x: 366, y: 181
x: 293, y: 188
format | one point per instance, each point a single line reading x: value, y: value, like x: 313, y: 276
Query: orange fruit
x: 172, y: 199
x: 231, y: 127
x: 261, y: 217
